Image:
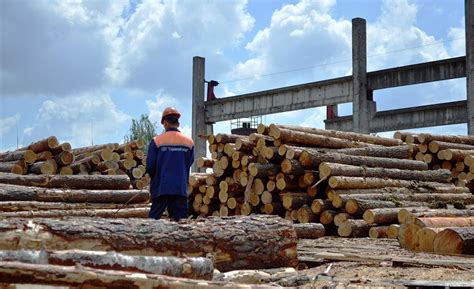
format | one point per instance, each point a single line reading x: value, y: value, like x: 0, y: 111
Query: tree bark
x: 292, y: 167
x: 63, y: 147
x: 194, y: 268
x: 309, y: 139
x: 455, y: 241
x: 454, y: 154
x: 401, y: 191
x: 275, y: 130
x: 14, y: 167
x: 28, y: 155
x: 358, y: 207
x: 426, y: 198
x: 228, y: 138
x: 354, y: 228
x: 263, y: 170
x: 425, y: 138
x: 93, y: 213
x: 312, y: 160
x: 16, y: 206
x: 381, y: 216
x: 110, y: 146
x: 46, y: 144
x: 78, y: 277
x: 334, y: 169
x: 394, y: 152
x: 233, y: 242
x: 92, y: 182
x: 22, y: 193
x: 64, y: 158
x: 436, y: 146
x: 309, y: 230
x: 342, y: 182
x: 293, y: 201
x: 378, y: 232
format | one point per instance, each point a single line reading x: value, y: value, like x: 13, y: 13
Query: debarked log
x: 21, y: 193
x: 100, y: 182
x: 232, y: 242
x: 195, y: 268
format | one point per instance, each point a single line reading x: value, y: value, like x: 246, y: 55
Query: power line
x: 340, y: 61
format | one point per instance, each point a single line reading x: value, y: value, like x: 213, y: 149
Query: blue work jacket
x: 170, y: 156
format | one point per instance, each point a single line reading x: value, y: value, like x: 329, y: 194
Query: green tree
x: 142, y: 129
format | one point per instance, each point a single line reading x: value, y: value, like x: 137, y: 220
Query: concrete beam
x: 408, y: 118
x: 469, y: 19
x: 314, y: 94
x: 417, y: 73
x: 198, y: 116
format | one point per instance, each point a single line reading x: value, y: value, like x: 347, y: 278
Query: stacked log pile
x: 49, y: 157
x: 349, y: 184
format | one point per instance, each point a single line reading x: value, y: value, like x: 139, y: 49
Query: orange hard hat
x: 170, y: 111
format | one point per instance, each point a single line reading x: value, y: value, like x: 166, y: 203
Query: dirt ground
x: 380, y: 262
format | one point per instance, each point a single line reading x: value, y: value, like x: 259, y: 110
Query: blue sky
x: 82, y: 70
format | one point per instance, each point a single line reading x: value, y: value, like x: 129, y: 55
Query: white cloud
x: 8, y: 123
x: 79, y: 120
x: 156, y: 107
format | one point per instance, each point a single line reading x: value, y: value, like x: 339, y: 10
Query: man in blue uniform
x: 169, y: 159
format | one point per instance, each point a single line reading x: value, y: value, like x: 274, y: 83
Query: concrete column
x: 199, y: 112
x: 363, y: 108
x: 469, y: 18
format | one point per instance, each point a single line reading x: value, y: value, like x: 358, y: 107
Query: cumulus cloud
x: 8, y: 123
x: 50, y: 48
x: 79, y: 119
x: 155, y: 107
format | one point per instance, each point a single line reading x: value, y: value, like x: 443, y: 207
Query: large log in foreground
x: 194, y: 268
x: 248, y: 242
x: 92, y: 182
x: 455, y: 241
x: 21, y: 193
x: 83, y: 277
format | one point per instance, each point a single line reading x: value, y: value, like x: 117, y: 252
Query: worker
x: 169, y: 159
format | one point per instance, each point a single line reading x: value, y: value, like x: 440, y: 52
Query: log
x: 354, y: 228
x: 381, y: 216
x: 392, y: 231
x: 43, y: 145
x: 295, y: 200
x: 14, y: 167
x: 22, y: 193
x: 305, y: 215
x: 28, y: 156
x: 66, y: 170
x: 437, y: 222
x: 358, y: 207
x: 15, y: 206
x: 319, y: 205
x: 276, y: 129
x: 84, y: 164
x: 394, y: 152
x: 227, y: 138
x: 44, y: 156
x: 92, y: 213
x: 341, y: 217
x: 407, y: 236
x: 64, y: 158
x: 425, y: 239
x: 334, y: 169
x: 79, y: 276
x: 378, y: 232
x: 292, y: 167
x: 399, y: 191
x: 309, y: 230
x: 263, y: 170
x: 436, y: 146
x: 425, y: 138
x: 410, y: 217
x: 110, y: 146
x: 454, y: 154
x: 48, y: 167
x: 259, y: 242
x: 426, y: 198
x: 63, y: 147
x: 455, y: 241
x: 195, y: 268
x: 403, y: 135
x: 327, y: 217
x: 309, y: 139
x: 312, y: 160
x: 342, y: 182
x: 92, y: 182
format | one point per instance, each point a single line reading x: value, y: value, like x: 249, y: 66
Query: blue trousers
x: 177, y: 207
